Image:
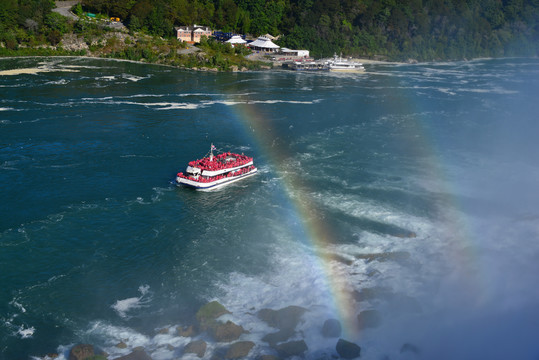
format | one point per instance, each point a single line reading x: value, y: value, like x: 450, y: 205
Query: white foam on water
x: 111, y: 335
x: 296, y: 278
x: 57, y: 82
x: 26, y: 332
x: 18, y: 305
x: 162, y: 346
x: 179, y: 106
x: 134, y: 78
x: 122, y: 307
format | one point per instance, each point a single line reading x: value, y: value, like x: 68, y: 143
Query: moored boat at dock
x: 338, y: 64
x: 306, y: 66
x: 215, y: 171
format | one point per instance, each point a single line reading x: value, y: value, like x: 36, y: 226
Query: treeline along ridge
x: 423, y: 30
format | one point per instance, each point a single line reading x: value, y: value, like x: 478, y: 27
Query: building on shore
x: 295, y: 53
x: 192, y: 34
x: 263, y: 44
x: 236, y: 40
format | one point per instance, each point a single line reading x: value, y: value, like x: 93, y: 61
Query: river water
x: 410, y: 190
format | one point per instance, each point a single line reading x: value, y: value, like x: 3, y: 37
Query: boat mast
x: 211, y: 152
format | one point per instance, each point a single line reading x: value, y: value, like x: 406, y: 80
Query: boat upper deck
x: 221, y: 161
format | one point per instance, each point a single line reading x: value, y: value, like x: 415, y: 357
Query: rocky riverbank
x: 214, y: 336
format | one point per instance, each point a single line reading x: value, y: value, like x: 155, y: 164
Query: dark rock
x: 226, y: 332
x: 331, y: 328
x: 239, y: 349
x: 268, y: 357
x: 376, y: 292
x: 291, y: 348
x: 186, y: 331
x: 137, y: 354
x: 343, y: 260
x: 197, y: 347
x: 208, y: 313
x: 347, y: 349
x: 286, y: 318
x: 407, y: 234
x: 121, y: 345
x: 279, y: 336
x: 369, y: 319
x: 81, y: 352
x: 409, y: 348
x: 163, y: 331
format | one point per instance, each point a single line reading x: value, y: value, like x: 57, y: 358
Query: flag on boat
x: 213, y: 147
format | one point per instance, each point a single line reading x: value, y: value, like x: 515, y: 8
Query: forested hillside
x: 390, y: 29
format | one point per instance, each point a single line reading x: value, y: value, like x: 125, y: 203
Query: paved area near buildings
x: 64, y: 8
x: 191, y: 49
x: 260, y: 56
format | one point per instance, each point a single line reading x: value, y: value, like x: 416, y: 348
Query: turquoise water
x: 433, y: 167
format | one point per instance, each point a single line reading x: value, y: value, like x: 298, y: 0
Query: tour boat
x: 214, y: 171
x: 338, y: 64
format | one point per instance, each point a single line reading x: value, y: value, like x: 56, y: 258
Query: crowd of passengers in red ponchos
x: 220, y: 161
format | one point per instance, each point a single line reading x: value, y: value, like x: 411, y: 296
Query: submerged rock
x: 186, y: 331
x: 208, y: 313
x: 376, y: 292
x: 331, y: 328
x: 347, y: 349
x: 286, y: 318
x: 197, y: 347
x: 369, y: 319
x: 291, y: 348
x: 225, y: 332
x: 268, y: 357
x: 137, y: 354
x: 81, y: 352
x: 279, y: 336
x: 239, y: 349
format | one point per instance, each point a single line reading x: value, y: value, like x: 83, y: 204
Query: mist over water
x: 412, y: 186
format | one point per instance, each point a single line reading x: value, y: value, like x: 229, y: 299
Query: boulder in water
x: 225, y: 332
x: 197, y: 347
x: 347, y: 349
x: 186, y: 331
x: 331, y: 328
x: 268, y: 357
x: 81, y: 352
x: 286, y: 318
x: 239, y: 349
x: 292, y: 348
x: 369, y: 319
x: 279, y: 336
x: 137, y: 354
x: 208, y: 313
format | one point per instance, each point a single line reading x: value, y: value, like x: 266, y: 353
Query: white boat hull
x: 348, y: 69
x: 213, y: 184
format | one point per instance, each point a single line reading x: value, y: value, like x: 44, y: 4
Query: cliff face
x: 99, y: 45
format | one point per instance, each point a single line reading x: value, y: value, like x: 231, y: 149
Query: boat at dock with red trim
x: 215, y: 171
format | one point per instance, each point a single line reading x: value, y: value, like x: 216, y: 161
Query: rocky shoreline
x: 212, y: 336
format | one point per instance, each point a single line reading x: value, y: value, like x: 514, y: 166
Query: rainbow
x: 317, y: 232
